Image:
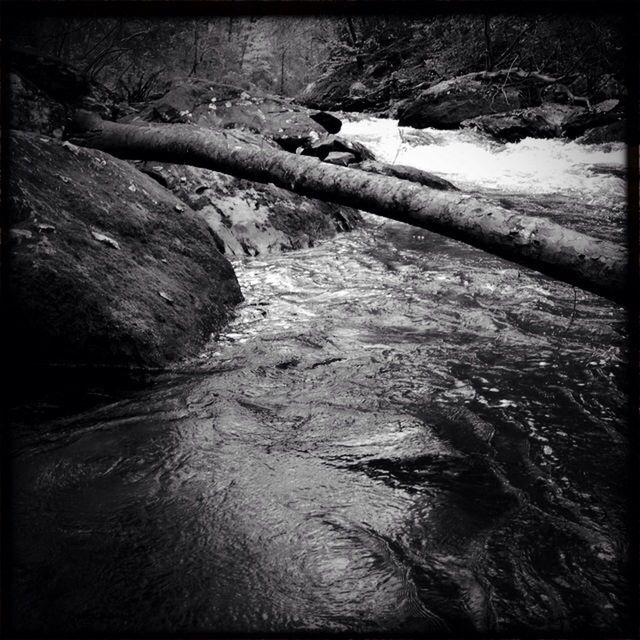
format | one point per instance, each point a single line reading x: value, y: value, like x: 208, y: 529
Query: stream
x: 398, y: 432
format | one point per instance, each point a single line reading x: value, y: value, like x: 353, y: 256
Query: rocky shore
x: 507, y: 105
x: 116, y: 263
x: 126, y: 263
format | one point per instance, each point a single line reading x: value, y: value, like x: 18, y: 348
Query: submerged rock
x: 106, y: 266
x: 609, y: 170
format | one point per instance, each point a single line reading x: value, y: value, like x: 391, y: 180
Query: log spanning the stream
x: 595, y: 265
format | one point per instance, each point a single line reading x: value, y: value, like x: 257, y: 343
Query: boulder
x: 604, y: 113
x: 614, y: 132
x: 328, y: 121
x: 328, y: 144
x: 609, y: 170
x: 544, y: 121
x: 273, y: 118
x: 374, y: 83
x: 33, y: 110
x: 447, y: 104
x: 342, y: 87
x: 44, y: 91
x: 62, y: 82
x: 250, y: 218
x: 106, y: 267
x: 220, y: 106
x: 342, y: 158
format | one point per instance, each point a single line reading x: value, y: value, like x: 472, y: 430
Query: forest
x: 135, y: 58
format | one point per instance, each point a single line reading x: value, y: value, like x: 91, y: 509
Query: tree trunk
x: 595, y: 265
x: 354, y: 42
x: 515, y: 42
x: 487, y: 42
x: 194, y: 66
x: 282, y: 57
x: 352, y: 32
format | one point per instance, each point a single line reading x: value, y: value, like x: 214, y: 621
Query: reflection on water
x: 397, y: 432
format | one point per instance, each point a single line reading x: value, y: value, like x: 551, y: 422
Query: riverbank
x: 125, y: 265
x: 242, y: 218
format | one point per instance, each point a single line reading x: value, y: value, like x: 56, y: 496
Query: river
x: 397, y: 432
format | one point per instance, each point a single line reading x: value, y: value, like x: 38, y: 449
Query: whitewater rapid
x: 474, y: 162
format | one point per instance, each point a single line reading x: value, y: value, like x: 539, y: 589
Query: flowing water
x: 397, y: 432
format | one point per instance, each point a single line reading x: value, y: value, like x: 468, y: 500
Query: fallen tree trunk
x: 595, y: 265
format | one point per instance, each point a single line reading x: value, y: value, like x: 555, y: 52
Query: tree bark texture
x: 488, y: 43
x: 578, y: 259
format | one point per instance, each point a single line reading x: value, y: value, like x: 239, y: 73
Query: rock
x: 166, y: 113
x: 253, y: 116
x: 609, y: 87
x: 614, y: 132
x: 103, y: 237
x: 341, y: 89
x: 417, y: 137
x: 251, y: 218
x: 220, y: 106
x: 604, y: 113
x: 358, y: 89
x: 610, y: 170
x: 446, y: 104
x: 87, y: 292
x: 544, y: 121
x: 322, y: 147
x: 342, y: 158
x: 62, y: 82
x: 32, y: 109
x: 180, y: 99
x: 464, y: 430
x: 326, y: 120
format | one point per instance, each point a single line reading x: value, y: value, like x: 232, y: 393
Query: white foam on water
x: 472, y: 161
